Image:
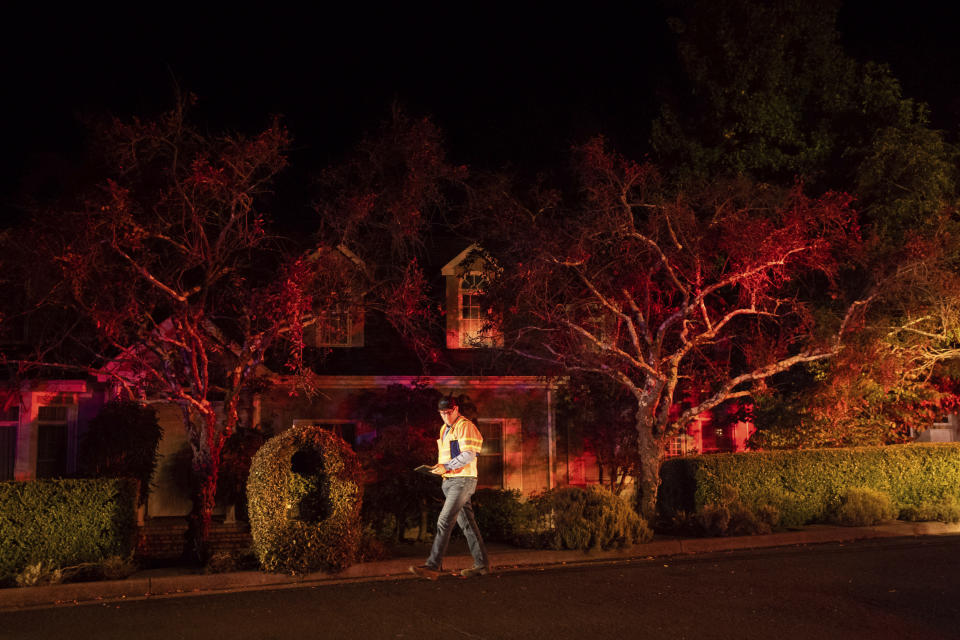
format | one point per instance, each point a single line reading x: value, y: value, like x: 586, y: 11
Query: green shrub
x: 502, y: 516
x: 58, y: 523
x: 122, y: 442
x: 946, y: 511
x: 304, y: 498
x: 862, y: 507
x: 593, y: 518
x: 806, y: 485
x: 731, y: 517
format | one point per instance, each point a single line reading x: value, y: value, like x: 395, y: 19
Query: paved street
x: 901, y: 588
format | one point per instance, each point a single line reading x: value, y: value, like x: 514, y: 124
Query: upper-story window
x: 467, y: 324
x: 333, y: 327
x: 339, y: 326
x: 338, y: 318
x: 472, y: 318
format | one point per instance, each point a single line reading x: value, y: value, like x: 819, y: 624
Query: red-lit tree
x: 899, y: 374
x: 168, y: 263
x: 698, y: 294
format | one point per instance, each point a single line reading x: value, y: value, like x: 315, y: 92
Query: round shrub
x: 502, y: 516
x: 593, y: 518
x: 862, y: 507
x: 304, y: 497
x: 730, y: 516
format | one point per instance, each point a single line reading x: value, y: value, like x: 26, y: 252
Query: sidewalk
x: 165, y: 583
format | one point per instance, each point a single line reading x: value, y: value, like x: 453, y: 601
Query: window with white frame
x: 677, y: 446
x: 9, y: 422
x: 51, y: 441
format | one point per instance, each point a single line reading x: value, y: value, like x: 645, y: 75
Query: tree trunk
x: 203, y: 489
x: 651, y: 456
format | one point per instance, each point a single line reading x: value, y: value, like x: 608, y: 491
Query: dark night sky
x: 507, y: 86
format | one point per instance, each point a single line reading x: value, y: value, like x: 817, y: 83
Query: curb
x: 141, y: 588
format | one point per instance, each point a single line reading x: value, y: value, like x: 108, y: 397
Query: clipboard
x: 425, y: 468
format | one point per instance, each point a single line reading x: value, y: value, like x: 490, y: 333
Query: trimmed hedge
x: 304, y: 498
x: 66, y: 522
x: 808, y: 485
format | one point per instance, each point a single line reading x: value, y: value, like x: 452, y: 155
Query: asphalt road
x: 901, y: 588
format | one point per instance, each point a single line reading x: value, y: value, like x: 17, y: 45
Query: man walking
x: 459, y: 444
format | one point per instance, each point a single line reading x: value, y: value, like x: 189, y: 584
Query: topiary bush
x: 304, y: 497
x: 58, y: 523
x: 592, y: 518
x: 862, y: 507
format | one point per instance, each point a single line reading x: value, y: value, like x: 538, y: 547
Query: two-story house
x: 525, y: 447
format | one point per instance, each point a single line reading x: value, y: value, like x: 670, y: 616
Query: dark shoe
x: 426, y: 572
x: 475, y: 571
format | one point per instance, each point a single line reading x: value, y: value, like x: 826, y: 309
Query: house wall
x: 170, y: 486
x: 523, y: 404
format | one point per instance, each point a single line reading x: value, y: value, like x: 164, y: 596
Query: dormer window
x: 333, y: 327
x: 340, y: 326
x: 466, y: 320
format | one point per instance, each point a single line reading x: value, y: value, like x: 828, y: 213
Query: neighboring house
x: 947, y: 430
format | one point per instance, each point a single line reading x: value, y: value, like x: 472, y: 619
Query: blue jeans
x: 457, y: 508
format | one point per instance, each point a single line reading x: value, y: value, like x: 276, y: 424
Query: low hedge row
x: 807, y: 485
x: 66, y: 522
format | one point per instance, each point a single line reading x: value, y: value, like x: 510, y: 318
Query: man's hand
x: 438, y: 469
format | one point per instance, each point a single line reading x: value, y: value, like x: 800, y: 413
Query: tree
x: 179, y: 290
x: 670, y: 294
x: 895, y: 378
x: 771, y: 92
